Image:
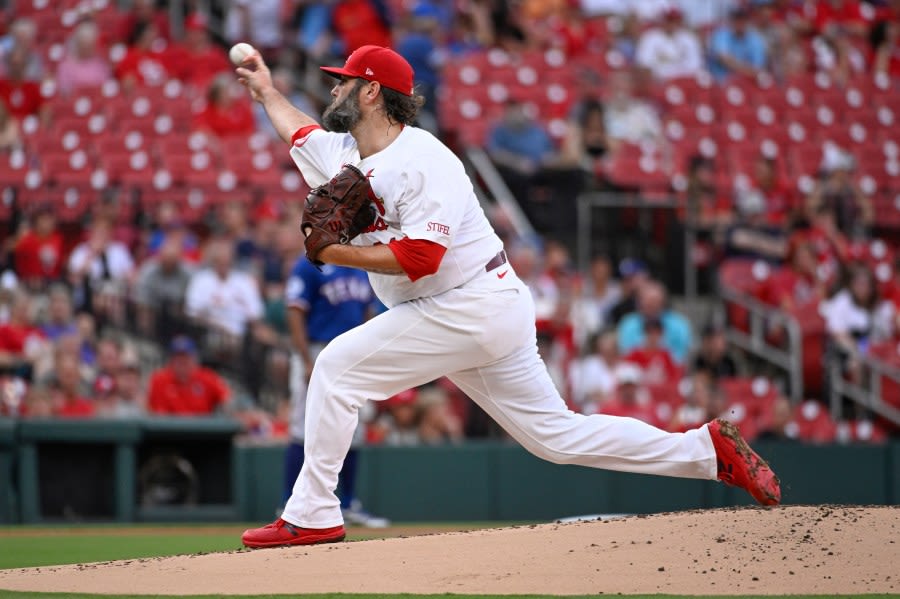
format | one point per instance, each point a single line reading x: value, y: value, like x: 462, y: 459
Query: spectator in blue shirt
x: 521, y: 149
x: 677, y: 335
x: 518, y: 142
x: 737, y: 48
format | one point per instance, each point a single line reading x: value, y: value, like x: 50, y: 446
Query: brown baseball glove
x: 337, y: 211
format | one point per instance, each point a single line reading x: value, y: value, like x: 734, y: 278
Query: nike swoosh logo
x: 500, y: 275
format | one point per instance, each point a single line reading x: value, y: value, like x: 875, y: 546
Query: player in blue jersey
x: 321, y: 306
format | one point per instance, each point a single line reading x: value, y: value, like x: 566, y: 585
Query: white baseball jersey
x: 473, y: 325
x: 440, y: 207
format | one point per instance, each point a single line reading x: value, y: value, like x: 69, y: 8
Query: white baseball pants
x: 482, y: 336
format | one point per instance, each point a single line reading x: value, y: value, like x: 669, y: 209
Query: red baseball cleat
x: 740, y: 466
x: 281, y: 534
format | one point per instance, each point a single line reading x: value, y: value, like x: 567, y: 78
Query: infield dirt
x: 787, y: 550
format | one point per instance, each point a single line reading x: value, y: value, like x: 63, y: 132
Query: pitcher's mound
x: 790, y: 550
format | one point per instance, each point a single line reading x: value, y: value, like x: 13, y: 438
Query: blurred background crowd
x: 148, y: 212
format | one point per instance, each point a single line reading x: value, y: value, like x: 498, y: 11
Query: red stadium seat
x: 813, y: 423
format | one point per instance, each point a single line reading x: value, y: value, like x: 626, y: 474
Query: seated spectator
x: 701, y: 404
x: 420, y: 45
x: 183, y: 387
x: 21, y: 95
x: 629, y: 119
x: 655, y: 361
x: 737, y: 48
x: 586, y: 142
x: 198, y: 60
x: 438, y: 424
x: 259, y: 23
x: 634, y: 276
x: 22, y: 35
x: 60, y: 320
x: 168, y: 223
x: 520, y: 147
x: 67, y: 393
x: 829, y: 245
x: 781, y: 427
x: 100, y: 270
x: 10, y: 134
x: 709, y: 209
x: 599, y: 295
x: 399, y: 423
x: 652, y: 304
x: 22, y: 343
x: 670, y: 50
x: 630, y: 399
x: 140, y: 13
x: 838, y: 191
x: 713, y: 357
x: 227, y: 110
x: 127, y: 397
x: 849, y: 320
x: 107, y: 362
x: 751, y: 235
x: 358, y: 23
x: 40, y: 253
x: 161, y: 288
x: 592, y: 376
x: 799, y: 286
x: 885, y: 41
x: 780, y: 201
x: 84, y: 66
x: 146, y: 61
x: 223, y: 299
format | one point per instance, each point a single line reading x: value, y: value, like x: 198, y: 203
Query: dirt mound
x: 789, y: 550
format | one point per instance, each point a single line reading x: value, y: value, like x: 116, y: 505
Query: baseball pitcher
x: 456, y: 307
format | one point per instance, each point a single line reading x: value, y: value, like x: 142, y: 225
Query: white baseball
x: 239, y: 52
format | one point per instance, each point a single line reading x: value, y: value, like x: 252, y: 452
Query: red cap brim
x: 338, y: 72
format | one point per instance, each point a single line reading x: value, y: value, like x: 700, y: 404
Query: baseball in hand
x: 239, y: 52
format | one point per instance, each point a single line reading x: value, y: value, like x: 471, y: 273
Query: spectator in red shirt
x: 780, y: 201
x: 145, y: 63
x: 885, y: 42
x: 21, y: 95
x: 21, y: 342
x: 185, y: 388
x: 68, y: 398
x: 227, y: 113
x: 40, y: 254
x: 701, y: 405
x: 655, y: 360
x: 798, y: 287
x: 360, y: 22
x: 198, y: 60
x: 629, y: 399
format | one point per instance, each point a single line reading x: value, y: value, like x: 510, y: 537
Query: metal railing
x: 755, y: 342
x: 868, y: 396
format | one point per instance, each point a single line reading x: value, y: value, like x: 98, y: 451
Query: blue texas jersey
x: 335, y: 300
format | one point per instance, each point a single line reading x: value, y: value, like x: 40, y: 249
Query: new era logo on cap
x: 393, y: 70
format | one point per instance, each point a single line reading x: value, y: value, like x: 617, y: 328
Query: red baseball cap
x: 376, y: 63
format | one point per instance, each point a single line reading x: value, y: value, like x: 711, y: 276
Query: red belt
x: 498, y: 260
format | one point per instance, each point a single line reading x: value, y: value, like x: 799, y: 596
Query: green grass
x: 26, y: 595
x: 23, y: 551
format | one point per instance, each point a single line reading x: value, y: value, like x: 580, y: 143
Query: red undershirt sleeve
x: 303, y: 132
x: 417, y: 257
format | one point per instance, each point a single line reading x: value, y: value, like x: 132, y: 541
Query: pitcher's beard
x: 343, y: 117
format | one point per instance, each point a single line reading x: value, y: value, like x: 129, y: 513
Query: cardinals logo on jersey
x: 379, y: 224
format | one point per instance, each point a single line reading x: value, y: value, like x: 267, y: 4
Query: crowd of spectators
x: 82, y: 297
